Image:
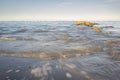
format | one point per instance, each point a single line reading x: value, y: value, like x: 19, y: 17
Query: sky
x: 63, y: 10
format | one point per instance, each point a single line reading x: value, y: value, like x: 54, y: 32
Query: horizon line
x: 54, y: 20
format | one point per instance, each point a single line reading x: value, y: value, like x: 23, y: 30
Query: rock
x: 44, y: 56
x: 97, y: 29
x: 68, y: 75
x: 89, y: 24
x: 17, y: 71
x: 113, y: 42
x: 9, y: 71
x: 79, y: 22
x: 6, y: 38
x: 115, y: 54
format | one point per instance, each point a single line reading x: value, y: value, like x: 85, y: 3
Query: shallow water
x: 44, y: 36
x: 59, y: 51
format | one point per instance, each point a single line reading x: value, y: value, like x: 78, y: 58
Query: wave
x: 59, y: 54
x: 37, y: 31
x: 13, y: 39
x: 21, y: 31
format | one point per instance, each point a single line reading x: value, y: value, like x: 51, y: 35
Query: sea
x: 59, y: 50
x: 38, y: 36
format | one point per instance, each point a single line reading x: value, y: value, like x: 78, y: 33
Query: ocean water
x: 49, y: 36
x: 59, y: 50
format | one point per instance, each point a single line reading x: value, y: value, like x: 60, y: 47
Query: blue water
x: 55, y: 35
x: 69, y: 52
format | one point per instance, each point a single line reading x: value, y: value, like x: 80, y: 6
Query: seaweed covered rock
x: 89, y: 24
x: 115, y: 54
x: 113, y: 42
x: 7, y: 38
x: 97, y: 29
x: 79, y: 22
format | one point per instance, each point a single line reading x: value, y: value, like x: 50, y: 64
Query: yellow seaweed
x: 97, y: 29
x: 89, y: 24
